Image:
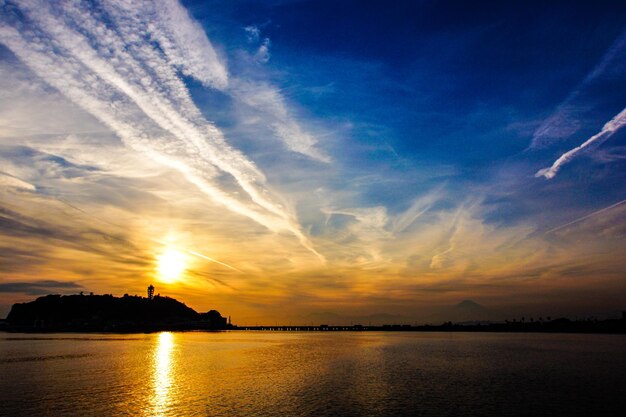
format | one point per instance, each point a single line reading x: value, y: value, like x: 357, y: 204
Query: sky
x: 275, y: 160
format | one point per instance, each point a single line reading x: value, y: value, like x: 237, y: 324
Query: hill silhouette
x: 109, y: 313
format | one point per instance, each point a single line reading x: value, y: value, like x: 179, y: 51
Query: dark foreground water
x: 304, y: 374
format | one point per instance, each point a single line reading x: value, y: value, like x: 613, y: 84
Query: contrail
x: 585, y: 217
x: 211, y: 260
x: 179, y: 247
x: 608, y: 129
x: 199, y: 255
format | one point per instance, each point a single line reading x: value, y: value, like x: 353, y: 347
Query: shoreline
x: 616, y: 326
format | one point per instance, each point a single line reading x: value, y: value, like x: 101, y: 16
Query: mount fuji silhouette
x: 465, y: 311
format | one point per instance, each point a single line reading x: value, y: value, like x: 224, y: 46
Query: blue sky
x: 451, y: 84
x: 345, y: 156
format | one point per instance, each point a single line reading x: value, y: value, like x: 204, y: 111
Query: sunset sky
x: 276, y: 159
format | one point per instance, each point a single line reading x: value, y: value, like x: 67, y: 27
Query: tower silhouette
x: 151, y: 292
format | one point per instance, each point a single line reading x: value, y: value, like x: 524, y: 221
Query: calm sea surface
x: 313, y: 374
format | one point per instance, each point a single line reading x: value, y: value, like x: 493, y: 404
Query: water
x: 313, y: 374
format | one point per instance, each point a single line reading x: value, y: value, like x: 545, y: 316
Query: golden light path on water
x: 162, y: 376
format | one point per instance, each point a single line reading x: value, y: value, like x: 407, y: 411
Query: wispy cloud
x: 182, y: 38
x: 253, y: 33
x: 451, y: 241
x: 267, y: 100
x: 263, y: 53
x: 608, y: 129
x: 7, y: 180
x: 119, y: 76
x: 420, y: 206
x: 616, y: 153
x: 566, y: 119
x: 39, y: 287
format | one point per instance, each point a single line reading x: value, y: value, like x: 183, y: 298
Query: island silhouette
x: 106, y: 313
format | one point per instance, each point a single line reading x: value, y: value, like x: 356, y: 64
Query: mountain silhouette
x: 470, y: 306
x: 465, y: 311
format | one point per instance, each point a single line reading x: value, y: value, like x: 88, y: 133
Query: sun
x: 171, y: 264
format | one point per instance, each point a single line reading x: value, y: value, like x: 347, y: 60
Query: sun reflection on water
x: 162, y: 374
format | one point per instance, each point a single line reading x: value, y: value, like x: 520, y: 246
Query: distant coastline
x: 136, y: 314
x: 561, y: 325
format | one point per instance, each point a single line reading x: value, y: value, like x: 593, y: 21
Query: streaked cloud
x: 39, y: 287
x: 182, y: 39
x: 7, y: 180
x: 569, y: 115
x: 266, y: 100
x: 607, y: 131
x: 130, y: 86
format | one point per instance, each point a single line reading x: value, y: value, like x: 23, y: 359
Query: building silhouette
x: 151, y: 292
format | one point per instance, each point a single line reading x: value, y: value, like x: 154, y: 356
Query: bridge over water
x: 329, y: 328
